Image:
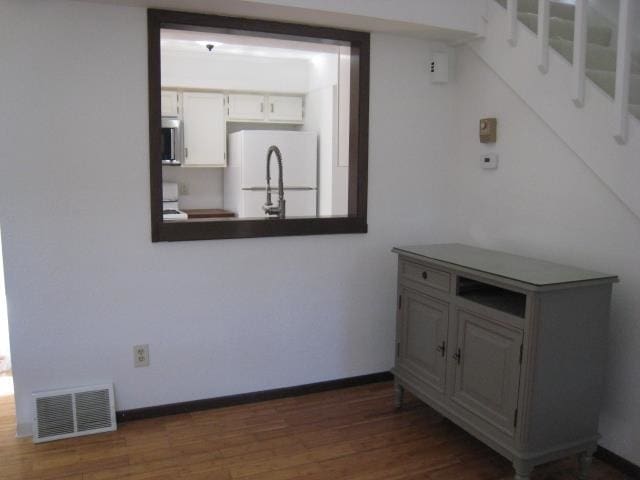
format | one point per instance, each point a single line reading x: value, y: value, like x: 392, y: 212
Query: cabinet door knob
x: 424, y: 275
x: 441, y: 348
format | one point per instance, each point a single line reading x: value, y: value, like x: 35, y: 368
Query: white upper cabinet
x: 204, y: 129
x: 169, y: 103
x: 284, y: 108
x: 245, y: 107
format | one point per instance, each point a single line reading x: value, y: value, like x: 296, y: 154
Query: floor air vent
x: 73, y: 412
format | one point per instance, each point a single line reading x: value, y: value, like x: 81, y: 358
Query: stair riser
x: 607, y: 82
x: 558, y: 10
x: 597, y: 59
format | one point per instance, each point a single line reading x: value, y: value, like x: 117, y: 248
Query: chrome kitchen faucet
x: 268, y: 207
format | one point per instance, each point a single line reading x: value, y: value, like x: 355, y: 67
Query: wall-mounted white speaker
x: 439, y: 67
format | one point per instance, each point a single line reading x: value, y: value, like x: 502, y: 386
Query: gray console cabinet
x: 510, y: 348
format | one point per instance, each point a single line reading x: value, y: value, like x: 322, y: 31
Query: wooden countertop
x: 208, y: 213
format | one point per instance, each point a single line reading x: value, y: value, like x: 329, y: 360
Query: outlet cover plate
x: 141, y: 356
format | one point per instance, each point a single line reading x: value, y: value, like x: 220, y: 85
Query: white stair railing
x: 578, y: 75
x: 512, y: 12
x: 543, y: 35
x: 623, y: 72
x: 579, y: 53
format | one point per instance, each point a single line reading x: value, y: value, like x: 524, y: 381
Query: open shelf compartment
x: 508, y: 301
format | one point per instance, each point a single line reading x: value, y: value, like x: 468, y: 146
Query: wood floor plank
x: 353, y: 433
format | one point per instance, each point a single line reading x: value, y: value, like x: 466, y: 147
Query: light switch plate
x: 490, y: 161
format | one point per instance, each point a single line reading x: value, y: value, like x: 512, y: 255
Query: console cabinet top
x: 523, y: 270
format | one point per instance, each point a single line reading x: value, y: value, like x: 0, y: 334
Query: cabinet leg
x: 585, y: 459
x: 398, y: 391
x: 523, y: 470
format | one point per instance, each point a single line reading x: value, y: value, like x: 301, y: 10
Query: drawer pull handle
x: 424, y: 275
x: 441, y: 348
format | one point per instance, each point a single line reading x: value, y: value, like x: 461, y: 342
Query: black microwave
x: 171, y: 148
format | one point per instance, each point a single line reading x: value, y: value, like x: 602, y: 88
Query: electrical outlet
x: 184, y: 189
x: 141, y: 356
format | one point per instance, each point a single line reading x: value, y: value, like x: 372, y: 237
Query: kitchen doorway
x: 6, y: 377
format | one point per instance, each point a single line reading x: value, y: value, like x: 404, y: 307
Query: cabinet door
x: 169, y: 103
x: 245, y: 107
x: 284, y: 109
x: 422, y: 332
x: 488, y: 370
x: 204, y: 129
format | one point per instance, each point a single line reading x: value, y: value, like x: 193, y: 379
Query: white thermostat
x: 490, y: 161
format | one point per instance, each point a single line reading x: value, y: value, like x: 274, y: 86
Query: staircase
x: 592, y: 104
x: 601, y: 54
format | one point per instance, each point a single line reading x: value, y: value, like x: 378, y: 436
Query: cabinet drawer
x: 425, y: 276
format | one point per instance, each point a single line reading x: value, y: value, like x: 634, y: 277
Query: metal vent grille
x: 73, y: 412
x: 55, y: 415
x: 92, y: 410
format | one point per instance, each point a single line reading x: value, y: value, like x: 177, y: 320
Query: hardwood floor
x: 353, y: 433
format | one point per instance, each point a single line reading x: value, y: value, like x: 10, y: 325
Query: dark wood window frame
x: 354, y: 222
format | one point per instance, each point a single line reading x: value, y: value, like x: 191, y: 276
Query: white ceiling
x: 230, y: 44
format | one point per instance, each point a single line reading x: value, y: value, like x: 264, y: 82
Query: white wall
x: 461, y: 15
x: 543, y: 201
x: 84, y: 281
x: 229, y: 72
x: 5, y: 353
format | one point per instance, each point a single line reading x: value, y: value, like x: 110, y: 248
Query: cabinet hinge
x: 521, y: 352
x: 515, y: 418
x: 399, y: 302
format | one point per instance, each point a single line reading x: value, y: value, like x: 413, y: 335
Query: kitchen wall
x: 320, y: 117
x: 327, y: 113
x: 200, y: 187
x: 85, y: 283
x: 543, y: 201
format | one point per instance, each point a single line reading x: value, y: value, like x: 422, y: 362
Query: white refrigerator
x: 245, y: 176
